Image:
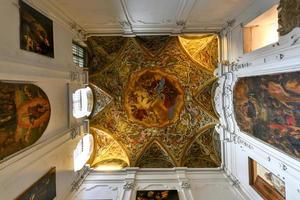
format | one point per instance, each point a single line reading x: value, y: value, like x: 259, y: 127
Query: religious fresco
x: 153, y: 45
x: 153, y: 98
x: 157, y: 195
x: 101, y: 99
x: 103, y: 51
x: 155, y: 157
x: 106, y: 150
x: 203, y: 97
x: 36, y: 31
x: 24, y: 116
x: 154, y: 84
x: 43, y: 189
x: 203, y: 49
x: 268, y: 108
x: 203, y: 152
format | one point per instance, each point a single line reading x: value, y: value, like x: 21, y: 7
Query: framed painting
x: 43, y: 189
x: 36, y: 31
x: 24, y: 116
x: 268, y: 108
x: 268, y: 185
x: 157, y: 195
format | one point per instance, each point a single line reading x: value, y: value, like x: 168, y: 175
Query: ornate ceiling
x: 154, y: 101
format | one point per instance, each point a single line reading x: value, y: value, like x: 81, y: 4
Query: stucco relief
x: 158, y: 93
x: 228, y: 107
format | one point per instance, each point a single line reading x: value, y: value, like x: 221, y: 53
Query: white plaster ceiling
x: 151, y: 16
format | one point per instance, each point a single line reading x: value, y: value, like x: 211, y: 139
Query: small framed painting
x: 157, y: 195
x: 43, y: 189
x: 267, y: 184
x: 36, y: 31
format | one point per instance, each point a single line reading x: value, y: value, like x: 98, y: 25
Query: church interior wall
x: 235, y: 27
x: 239, y: 147
x: 190, y: 184
x: 55, y: 148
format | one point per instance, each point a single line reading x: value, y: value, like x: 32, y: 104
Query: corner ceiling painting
x: 160, y: 113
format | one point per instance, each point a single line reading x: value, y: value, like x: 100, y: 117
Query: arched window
x: 83, y: 151
x: 82, y: 102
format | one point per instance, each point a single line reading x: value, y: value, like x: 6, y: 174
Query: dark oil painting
x: 36, y: 31
x: 43, y: 189
x: 157, y: 195
x: 268, y: 108
x: 24, y: 116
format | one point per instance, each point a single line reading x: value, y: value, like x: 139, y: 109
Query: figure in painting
x: 36, y: 31
x: 25, y: 112
x: 157, y: 195
x: 154, y: 98
x: 44, y: 188
x: 267, y: 107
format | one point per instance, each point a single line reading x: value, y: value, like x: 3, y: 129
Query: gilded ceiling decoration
x: 160, y: 103
x: 202, y: 49
x: 204, y: 95
x: 153, y: 45
x: 107, y: 150
x: 155, y: 157
x: 204, y: 151
x: 101, y: 98
x: 153, y: 98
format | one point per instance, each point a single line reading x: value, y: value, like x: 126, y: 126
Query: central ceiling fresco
x: 154, y: 105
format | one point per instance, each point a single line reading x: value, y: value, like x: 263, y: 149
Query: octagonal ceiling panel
x: 155, y: 108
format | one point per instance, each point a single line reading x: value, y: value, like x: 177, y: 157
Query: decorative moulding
x: 233, y: 180
x: 155, y: 187
x: 185, y: 185
x: 39, y: 149
x: 280, y: 57
x: 80, y: 76
x: 81, y: 174
x: 129, y: 185
x: 80, y: 129
x: 239, y: 140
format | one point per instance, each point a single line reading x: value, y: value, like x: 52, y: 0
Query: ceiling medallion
x: 153, y: 98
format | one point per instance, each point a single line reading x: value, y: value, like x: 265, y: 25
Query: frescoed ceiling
x: 154, y: 101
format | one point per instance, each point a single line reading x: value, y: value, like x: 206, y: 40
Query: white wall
x: 239, y: 146
x: 235, y: 31
x: 55, y: 147
x: 190, y: 184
